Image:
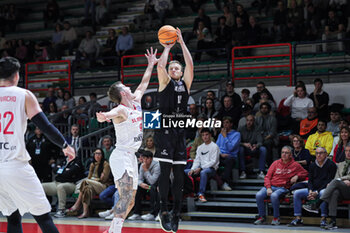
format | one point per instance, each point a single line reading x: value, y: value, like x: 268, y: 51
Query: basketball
x: 167, y: 34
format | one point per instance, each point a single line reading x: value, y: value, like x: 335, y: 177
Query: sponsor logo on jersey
x: 164, y: 152
x: 138, y: 138
x: 6, y: 146
x: 7, y: 98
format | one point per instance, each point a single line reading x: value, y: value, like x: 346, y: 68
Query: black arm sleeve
x: 50, y: 131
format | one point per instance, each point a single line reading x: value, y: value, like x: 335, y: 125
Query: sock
x: 46, y: 224
x: 14, y: 222
x: 116, y: 225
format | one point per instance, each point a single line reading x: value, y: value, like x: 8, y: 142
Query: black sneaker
x: 175, y: 223
x: 331, y: 225
x: 312, y: 208
x: 296, y: 222
x: 165, y: 224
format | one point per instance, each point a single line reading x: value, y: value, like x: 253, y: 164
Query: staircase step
x: 256, y: 188
x: 220, y: 215
x: 231, y: 193
x: 227, y: 204
x: 232, y: 199
x: 250, y: 181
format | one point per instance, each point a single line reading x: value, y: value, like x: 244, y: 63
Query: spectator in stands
x: 313, y: 17
x: 338, y: 189
x: 163, y: 9
x: 206, y: 162
x: 322, y: 99
x: 204, y: 40
x: 333, y: 125
x: 295, y: 21
x: 254, y: 32
x: 89, y: 48
x: 63, y: 117
x: 11, y: 18
x: 40, y: 53
x: 56, y: 39
x: 223, y: 36
x: 150, y: 145
x: 81, y: 113
x: 228, y: 109
x: 239, y: 33
x: 321, y: 138
x: 102, y: 17
x: 300, y: 154
x: 67, y: 174
x: 267, y: 125
x: 339, y: 150
x: 308, y: 125
x: 343, y: 123
x: 321, y: 172
x: 21, y: 51
x: 245, y: 94
x: 107, y: 146
x: 147, y: 183
x: 280, y: 22
x: 230, y: 91
x: 299, y: 103
x: 201, y: 17
x: 231, y: 4
x: 90, y: 12
x: 68, y: 99
x: 69, y: 39
x: 259, y: 87
x: 282, y: 174
x: 110, y: 196
x: 209, y: 109
x: 261, y: 4
x: 41, y: 153
x: 242, y: 13
x: 60, y: 99
x: 264, y: 98
x: 228, y: 142
x: 246, y: 110
x: 109, y: 48
x: 94, y: 106
x: 198, y: 138
x: 217, y: 103
x: 97, y: 180
x: 73, y: 140
x: 251, y: 145
x: 125, y: 43
x: 334, y: 29
x: 52, y: 113
x: 51, y: 13
x: 49, y: 98
x: 229, y: 17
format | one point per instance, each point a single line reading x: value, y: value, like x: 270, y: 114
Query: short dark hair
x: 145, y: 153
x: 227, y: 118
x: 9, y: 66
x: 322, y: 120
x: 212, y: 92
x: 318, y: 80
x: 93, y: 94
x: 265, y: 104
x: 246, y: 91
x: 205, y: 130
x: 261, y: 83
x: 114, y: 92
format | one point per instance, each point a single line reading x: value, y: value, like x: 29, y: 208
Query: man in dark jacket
x: 68, y: 173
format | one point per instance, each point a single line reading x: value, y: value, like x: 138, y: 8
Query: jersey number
x: 179, y: 97
x: 11, y: 115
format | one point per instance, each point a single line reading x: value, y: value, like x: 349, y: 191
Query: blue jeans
x: 204, y: 175
x: 260, y: 196
x: 107, y: 195
x: 300, y: 194
x: 261, y: 152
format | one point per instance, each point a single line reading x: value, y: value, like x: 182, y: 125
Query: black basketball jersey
x: 174, y: 98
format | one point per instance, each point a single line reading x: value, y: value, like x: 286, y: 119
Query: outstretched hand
x: 151, y: 57
x: 101, y: 117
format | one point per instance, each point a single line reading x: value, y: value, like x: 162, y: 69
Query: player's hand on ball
x: 69, y: 152
x: 180, y: 40
x: 167, y: 45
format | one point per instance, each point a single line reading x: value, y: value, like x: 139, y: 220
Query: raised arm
x: 117, y: 114
x: 188, y: 73
x: 152, y: 60
x: 163, y: 77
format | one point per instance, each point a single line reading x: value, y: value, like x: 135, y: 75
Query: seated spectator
x: 299, y: 104
x: 59, y: 98
x: 245, y: 95
x: 229, y: 17
x: 201, y: 17
x: 260, y: 86
x: 322, y: 99
x: 230, y: 91
x: 261, y: 4
x: 321, y: 172
x: 109, y: 48
x: 254, y: 32
x: 282, y: 174
x: 204, y: 40
x: 334, y: 29
x: 52, y: 109
x: 343, y: 123
x: 251, y: 145
x: 246, y: 110
x: 234, y: 112
x: 264, y: 98
x: 223, y: 36
x: 163, y: 8
x: 89, y: 48
x: 239, y: 31
x: 150, y: 145
x: 74, y: 139
x: 217, y: 104
x: 102, y: 13
x: 68, y: 99
x: 228, y: 142
x: 242, y: 14
x: 267, y: 124
x: 51, y: 13
x: 69, y: 40
x: 67, y: 174
x: 147, y: 183
x: 110, y: 196
x: 94, y: 105
x: 125, y: 44
x: 295, y: 21
x: 209, y: 108
x: 308, y: 126
x: 313, y: 18
x: 64, y: 115
x: 107, y: 146
x: 40, y: 53
x: 321, y: 138
x: 21, y: 51
x: 300, y: 154
x: 206, y: 162
x: 333, y: 125
x: 339, y: 150
x: 280, y: 22
x: 81, y: 113
x: 97, y: 181
x: 338, y: 189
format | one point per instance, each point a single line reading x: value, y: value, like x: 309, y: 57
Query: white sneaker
x: 135, y: 217
x: 104, y: 214
x: 226, y: 187
x: 148, y: 217
x: 157, y: 218
x: 243, y: 175
x: 110, y: 217
x: 261, y: 175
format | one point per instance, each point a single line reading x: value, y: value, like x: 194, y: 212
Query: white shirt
x: 207, y: 156
x: 298, y: 106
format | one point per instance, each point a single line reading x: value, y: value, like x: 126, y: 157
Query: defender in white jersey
x: 127, y: 121
x: 20, y: 188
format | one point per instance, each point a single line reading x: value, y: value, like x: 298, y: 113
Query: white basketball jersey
x: 129, y: 132
x: 13, y: 124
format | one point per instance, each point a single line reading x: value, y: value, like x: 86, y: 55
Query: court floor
x: 96, y: 225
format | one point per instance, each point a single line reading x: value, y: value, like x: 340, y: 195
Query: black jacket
x: 72, y: 172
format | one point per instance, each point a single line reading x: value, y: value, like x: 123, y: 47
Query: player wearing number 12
x: 20, y: 188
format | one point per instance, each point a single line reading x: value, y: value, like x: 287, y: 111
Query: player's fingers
x: 155, y: 52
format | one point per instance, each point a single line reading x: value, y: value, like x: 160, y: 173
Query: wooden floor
x: 96, y: 225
